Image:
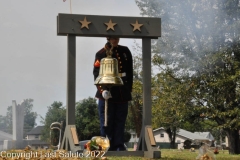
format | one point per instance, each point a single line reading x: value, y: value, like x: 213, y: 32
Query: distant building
x: 34, y: 138
x: 4, y: 136
x: 184, y: 139
x: 134, y: 137
x: 207, y: 135
x: 35, y: 133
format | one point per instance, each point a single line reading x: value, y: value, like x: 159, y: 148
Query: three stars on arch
x: 110, y: 25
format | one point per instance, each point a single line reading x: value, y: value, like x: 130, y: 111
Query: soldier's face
x: 114, y: 41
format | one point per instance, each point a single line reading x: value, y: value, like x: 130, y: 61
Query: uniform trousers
x: 117, y: 114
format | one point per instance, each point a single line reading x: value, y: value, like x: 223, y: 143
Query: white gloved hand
x: 106, y: 94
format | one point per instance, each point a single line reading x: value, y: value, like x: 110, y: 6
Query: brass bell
x: 108, y: 73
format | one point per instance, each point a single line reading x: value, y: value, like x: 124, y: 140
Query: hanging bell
x: 108, y: 76
x: 108, y: 73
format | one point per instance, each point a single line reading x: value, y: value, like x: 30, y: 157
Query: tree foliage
x: 6, y: 121
x: 56, y: 113
x: 134, y: 119
x: 200, y: 46
x: 29, y: 118
x: 171, y: 103
x: 87, y: 119
x: 135, y: 107
x: 3, y: 123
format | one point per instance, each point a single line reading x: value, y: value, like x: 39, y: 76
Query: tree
x: 170, y: 104
x: 219, y: 96
x: 200, y: 39
x: 3, y: 125
x: 87, y: 119
x: 29, y: 118
x: 135, y: 107
x: 8, y: 120
x: 134, y: 119
x: 56, y: 113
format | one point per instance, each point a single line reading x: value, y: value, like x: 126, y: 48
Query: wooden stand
x: 68, y: 25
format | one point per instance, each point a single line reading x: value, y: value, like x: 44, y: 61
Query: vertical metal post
x: 69, y: 136
x: 147, y: 103
x: 71, y: 79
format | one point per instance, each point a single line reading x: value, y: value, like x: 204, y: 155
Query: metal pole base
x: 147, y: 143
x: 70, y: 140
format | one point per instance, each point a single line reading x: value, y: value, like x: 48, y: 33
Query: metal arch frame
x: 68, y: 25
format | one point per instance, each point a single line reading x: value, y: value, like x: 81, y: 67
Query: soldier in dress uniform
x: 120, y: 95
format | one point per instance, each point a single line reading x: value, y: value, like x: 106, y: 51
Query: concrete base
x: 70, y: 140
x: 147, y: 143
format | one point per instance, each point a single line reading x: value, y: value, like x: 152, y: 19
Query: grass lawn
x: 169, y: 154
x: 166, y: 154
x: 174, y: 154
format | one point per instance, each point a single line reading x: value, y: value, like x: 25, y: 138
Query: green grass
x: 187, y: 155
x: 166, y: 154
x: 174, y: 154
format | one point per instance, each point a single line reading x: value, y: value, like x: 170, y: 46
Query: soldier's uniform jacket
x: 124, y: 57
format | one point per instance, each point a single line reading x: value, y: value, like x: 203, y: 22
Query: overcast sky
x: 33, y: 60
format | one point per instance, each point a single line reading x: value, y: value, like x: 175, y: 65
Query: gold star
x: 85, y: 23
x: 110, y: 25
x: 136, y: 26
